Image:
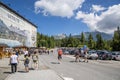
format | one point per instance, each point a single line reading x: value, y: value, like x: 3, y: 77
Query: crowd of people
x: 32, y: 56
x: 14, y: 60
x: 79, y: 54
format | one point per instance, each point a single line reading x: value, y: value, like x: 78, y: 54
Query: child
x: 26, y: 63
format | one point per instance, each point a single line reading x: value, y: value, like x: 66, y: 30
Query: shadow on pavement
x: 7, y: 72
x: 54, y: 62
x: 22, y: 71
x: 31, y: 69
x: 72, y: 61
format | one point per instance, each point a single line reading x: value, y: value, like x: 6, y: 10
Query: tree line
x: 45, y: 41
x: 98, y: 44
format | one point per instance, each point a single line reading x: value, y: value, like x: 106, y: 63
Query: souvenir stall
x: 2, y: 50
x: 20, y: 49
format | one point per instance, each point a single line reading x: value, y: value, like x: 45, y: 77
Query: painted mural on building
x: 15, y: 31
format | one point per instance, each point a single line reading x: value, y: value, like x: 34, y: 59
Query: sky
x: 53, y: 17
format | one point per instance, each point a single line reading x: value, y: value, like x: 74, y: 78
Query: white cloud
x: 90, y: 19
x: 63, y: 8
x: 107, y: 22
x: 97, y: 8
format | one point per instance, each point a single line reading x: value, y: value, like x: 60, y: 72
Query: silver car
x: 92, y: 55
x: 116, y: 55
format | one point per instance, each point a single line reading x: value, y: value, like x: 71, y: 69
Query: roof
x: 16, y: 13
x: 3, y: 45
x: 20, y: 47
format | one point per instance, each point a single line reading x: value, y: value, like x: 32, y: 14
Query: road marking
x: 66, y: 78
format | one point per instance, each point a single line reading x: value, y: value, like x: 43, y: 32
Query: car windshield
x: 92, y: 52
x: 119, y: 53
x: 115, y: 53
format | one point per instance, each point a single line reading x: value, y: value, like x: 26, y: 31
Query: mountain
x: 59, y: 36
x: 105, y: 36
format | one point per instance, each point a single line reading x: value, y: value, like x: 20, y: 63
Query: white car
x: 92, y: 55
x: 66, y: 52
x: 118, y: 57
x: 114, y: 54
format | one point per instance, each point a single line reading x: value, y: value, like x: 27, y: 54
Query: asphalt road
x: 70, y: 70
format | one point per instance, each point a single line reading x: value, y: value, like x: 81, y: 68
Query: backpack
x: 26, y: 61
x: 60, y: 52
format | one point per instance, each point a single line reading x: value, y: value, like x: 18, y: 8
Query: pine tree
x: 116, y: 40
x: 90, y: 42
x: 82, y: 39
x: 99, y: 42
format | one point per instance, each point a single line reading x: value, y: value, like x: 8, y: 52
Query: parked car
x: 104, y: 55
x: 72, y: 52
x: 92, y: 55
x: 116, y: 55
x: 65, y: 52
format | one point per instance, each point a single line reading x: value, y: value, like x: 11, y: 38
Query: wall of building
x: 15, y: 31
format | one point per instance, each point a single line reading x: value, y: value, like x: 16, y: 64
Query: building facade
x: 15, y: 30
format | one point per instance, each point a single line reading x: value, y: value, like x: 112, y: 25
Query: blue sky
x: 69, y: 16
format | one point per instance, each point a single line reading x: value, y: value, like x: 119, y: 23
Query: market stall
x: 2, y: 50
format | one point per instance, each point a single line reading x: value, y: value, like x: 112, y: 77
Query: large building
x: 15, y: 30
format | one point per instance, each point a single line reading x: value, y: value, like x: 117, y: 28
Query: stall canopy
x: 3, y: 45
x: 20, y: 47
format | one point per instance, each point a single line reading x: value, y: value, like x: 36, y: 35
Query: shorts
x: 86, y: 55
x: 77, y: 56
x: 59, y: 57
x: 26, y: 65
x: 35, y: 61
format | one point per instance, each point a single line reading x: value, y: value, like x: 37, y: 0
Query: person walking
x: 59, y: 55
x: 25, y: 52
x: 26, y: 63
x: 86, y: 56
x: 77, y: 56
x: 35, y: 60
x: 17, y: 52
x: 13, y: 62
x: 48, y: 52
